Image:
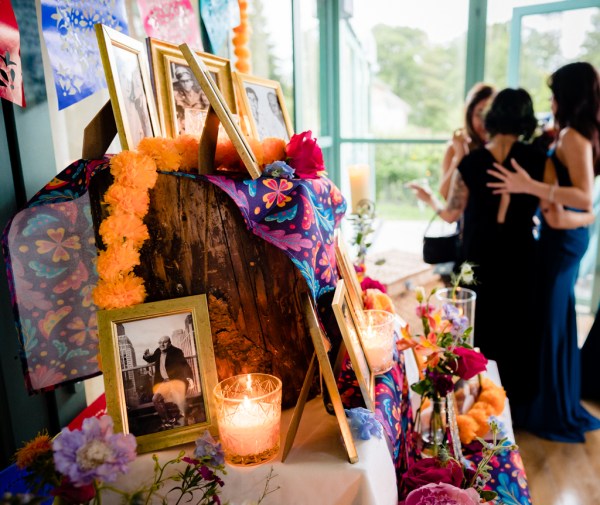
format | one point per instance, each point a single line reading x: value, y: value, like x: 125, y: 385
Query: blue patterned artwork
x: 219, y: 18
x: 68, y: 28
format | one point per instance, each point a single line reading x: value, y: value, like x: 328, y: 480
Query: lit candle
x: 360, y: 184
x: 249, y: 414
x: 377, y: 336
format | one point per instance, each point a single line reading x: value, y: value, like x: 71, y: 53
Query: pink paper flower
x: 442, y: 494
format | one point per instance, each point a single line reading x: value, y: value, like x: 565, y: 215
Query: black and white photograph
x: 128, y: 78
x: 264, y: 107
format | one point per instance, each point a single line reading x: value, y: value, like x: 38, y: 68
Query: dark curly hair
x: 511, y: 112
x: 576, y: 90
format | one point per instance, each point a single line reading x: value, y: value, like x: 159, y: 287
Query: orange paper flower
x: 118, y: 259
x: 467, y: 428
x: 119, y: 227
x: 118, y: 294
x: 273, y: 150
x: 495, y: 398
x: 133, y: 170
x: 187, y: 146
x: 163, y: 151
x: 226, y: 155
x: 123, y: 200
x: 378, y: 300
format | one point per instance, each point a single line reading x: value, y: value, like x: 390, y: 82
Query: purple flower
x: 279, y: 169
x: 363, y: 423
x: 442, y: 383
x: 94, y: 452
x: 207, y: 446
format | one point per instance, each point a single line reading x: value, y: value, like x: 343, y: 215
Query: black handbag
x: 441, y: 249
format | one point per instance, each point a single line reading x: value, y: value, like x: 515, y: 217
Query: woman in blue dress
x: 566, y: 204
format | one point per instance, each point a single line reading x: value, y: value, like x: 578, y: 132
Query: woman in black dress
x: 498, y: 235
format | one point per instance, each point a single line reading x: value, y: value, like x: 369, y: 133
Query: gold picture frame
x: 223, y: 113
x: 138, y: 397
x: 347, y: 272
x: 347, y: 322
x: 129, y: 86
x: 168, y: 67
x: 263, y: 107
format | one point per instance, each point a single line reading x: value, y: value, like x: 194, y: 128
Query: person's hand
x: 190, y: 383
x: 147, y: 352
x: 460, y: 144
x: 423, y: 193
x: 518, y: 181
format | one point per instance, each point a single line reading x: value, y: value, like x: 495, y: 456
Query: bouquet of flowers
x: 77, y: 467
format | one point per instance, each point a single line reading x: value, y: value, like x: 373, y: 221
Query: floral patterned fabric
x: 50, y: 251
x: 508, y: 477
x: 50, y: 254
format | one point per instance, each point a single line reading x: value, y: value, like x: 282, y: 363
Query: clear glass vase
x: 437, y: 427
x: 464, y: 300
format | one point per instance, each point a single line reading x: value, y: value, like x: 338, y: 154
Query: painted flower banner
x: 68, y: 29
x: 11, y: 78
x: 174, y: 21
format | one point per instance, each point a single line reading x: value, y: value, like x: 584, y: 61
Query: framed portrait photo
x: 222, y: 112
x: 347, y: 322
x: 182, y: 104
x: 129, y: 86
x: 263, y: 107
x: 159, y: 370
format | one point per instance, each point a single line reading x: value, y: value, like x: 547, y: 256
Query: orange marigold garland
x: 475, y: 423
x: 163, y: 151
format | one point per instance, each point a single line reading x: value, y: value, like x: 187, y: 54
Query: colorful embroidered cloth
x: 508, y: 477
x: 50, y: 253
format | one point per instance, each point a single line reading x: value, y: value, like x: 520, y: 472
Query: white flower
x: 420, y: 293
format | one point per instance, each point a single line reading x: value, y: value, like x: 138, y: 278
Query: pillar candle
x: 360, y: 178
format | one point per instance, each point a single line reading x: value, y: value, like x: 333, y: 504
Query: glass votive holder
x: 249, y: 416
x: 377, y: 336
x: 464, y: 300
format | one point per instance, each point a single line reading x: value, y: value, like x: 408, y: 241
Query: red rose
x: 431, y: 471
x: 470, y: 362
x: 368, y: 283
x: 305, y: 156
x: 72, y: 494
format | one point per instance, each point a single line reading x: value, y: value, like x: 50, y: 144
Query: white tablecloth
x: 316, y: 471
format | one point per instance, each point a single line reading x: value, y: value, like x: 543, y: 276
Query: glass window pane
x: 412, y: 63
x: 271, y: 44
x: 308, y: 74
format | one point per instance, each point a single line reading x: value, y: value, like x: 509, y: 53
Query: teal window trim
x: 476, y: 35
x: 514, y: 52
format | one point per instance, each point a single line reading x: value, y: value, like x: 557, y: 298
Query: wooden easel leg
x: 299, y: 408
x: 99, y: 133
x: 330, y: 383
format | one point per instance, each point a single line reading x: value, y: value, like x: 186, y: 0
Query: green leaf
x: 488, y: 495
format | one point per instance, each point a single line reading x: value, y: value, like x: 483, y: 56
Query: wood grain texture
x: 200, y: 244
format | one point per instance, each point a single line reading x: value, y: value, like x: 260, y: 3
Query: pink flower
x: 470, y: 362
x: 369, y: 283
x: 442, y: 494
x: 305, y: 156
x: 432, y: 471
